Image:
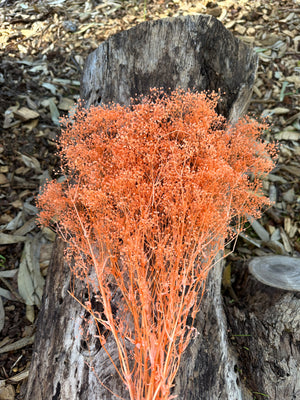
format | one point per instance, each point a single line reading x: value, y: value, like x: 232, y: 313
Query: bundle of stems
x: 148, y: 202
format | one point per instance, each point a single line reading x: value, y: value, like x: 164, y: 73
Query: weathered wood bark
x: 264, y: 329
x: 190, y: 52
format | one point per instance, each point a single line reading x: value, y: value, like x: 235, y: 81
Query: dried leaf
x: 19, y: 344
x: 3, y: 179
x: 276, y: 235
x: 31, y: 162
x: 7, y: 392
x: 30, y: 280
x: 295, y: 79
x: 215, y: 11
x: 29, y: 126
x: 279, y: 110
x: 65, y: 104
x: 230, y: 24
x: 54, y: 112
x: 286, y: 241
x: 5, y: 219
x: 56, y: 2
x: 273, y: 193
x: 11, y: 239
x: 292, y: 169
x: 287, y: 135
x: 30, y: 315
x: 289, y: 196
x: 50, y: 87
x: 10, y: 273
x: 49, y: 234
x: 27, y: 227
x: 287, y: 224
x: 6, y: 294
x: 284, y: 85
x: 246, y: 238
x: 66, y: 82
x: 2, y: 315
x: 20, y: 377
x: 28, y: 32
x: 276, y: 178
x: 17, y: 203
x: 25, y: 114
x: 29, y: 209
x: 9, y: 121
x: 240, y: 29
x: 259, y: 229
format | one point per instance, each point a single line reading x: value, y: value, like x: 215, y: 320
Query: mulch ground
x: 43, y: 46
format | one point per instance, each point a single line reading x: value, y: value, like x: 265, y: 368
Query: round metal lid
x: 277, y: 271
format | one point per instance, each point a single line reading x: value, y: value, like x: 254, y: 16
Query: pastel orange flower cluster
x: 151, y: 194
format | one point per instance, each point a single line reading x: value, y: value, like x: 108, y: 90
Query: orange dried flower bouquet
x: 149, y: 196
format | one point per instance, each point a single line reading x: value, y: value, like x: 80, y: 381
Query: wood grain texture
x: 188, y: 52
x: 267, y: 322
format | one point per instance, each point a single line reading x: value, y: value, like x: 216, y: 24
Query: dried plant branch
x: 151, y: 192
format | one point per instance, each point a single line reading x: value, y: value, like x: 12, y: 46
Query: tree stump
x: 188, y: 52
x: 264, y: 327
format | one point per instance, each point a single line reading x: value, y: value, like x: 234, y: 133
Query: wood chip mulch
x: 43, y: 46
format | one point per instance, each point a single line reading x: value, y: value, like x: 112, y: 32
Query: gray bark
x: 187, y: 52
x: 264, y: 330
